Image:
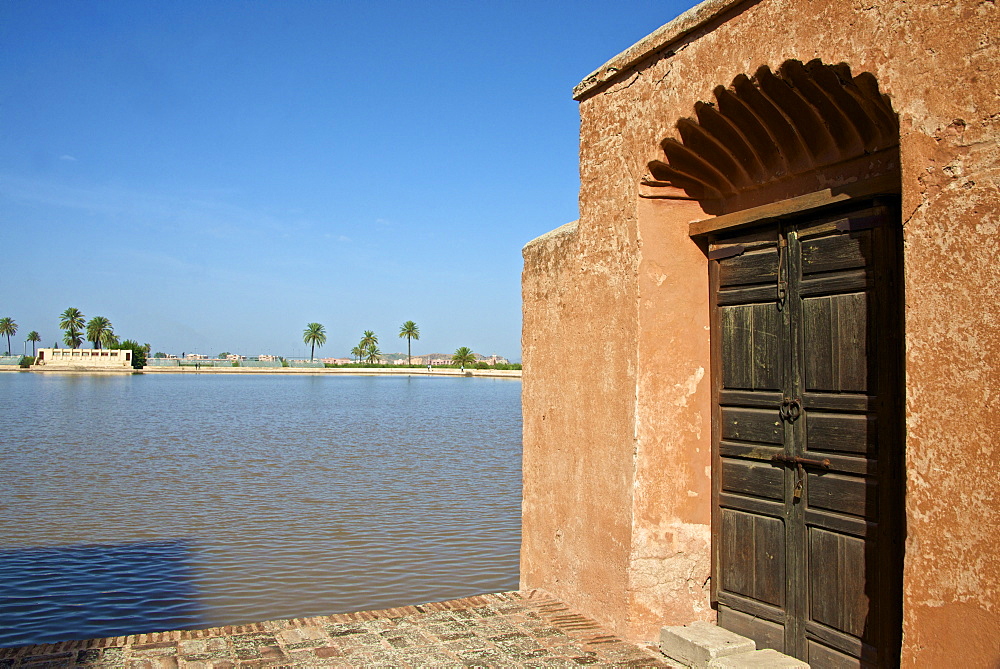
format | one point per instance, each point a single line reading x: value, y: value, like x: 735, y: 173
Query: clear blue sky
x: 212, y: 176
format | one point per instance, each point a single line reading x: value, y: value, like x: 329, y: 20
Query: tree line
x: 368, y: 350
x: 101, y: 333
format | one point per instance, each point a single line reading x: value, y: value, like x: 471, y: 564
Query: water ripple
x: 143, y: 503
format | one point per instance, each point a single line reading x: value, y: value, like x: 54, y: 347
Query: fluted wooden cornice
x: 773, y: 127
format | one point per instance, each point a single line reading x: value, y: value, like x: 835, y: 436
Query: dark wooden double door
x: 807, y: 338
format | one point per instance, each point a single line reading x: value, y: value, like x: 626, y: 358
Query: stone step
x: 703, y: 644
x: 759, y: 659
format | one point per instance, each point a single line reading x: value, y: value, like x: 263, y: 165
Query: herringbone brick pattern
x: 506, y: 629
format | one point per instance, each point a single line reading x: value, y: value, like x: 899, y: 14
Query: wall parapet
x: 558, y: 235
x: 690, y: 21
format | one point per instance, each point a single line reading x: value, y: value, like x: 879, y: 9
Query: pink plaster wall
x: 615, y: 505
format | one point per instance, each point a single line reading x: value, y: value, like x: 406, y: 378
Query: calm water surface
x: 145, y: 503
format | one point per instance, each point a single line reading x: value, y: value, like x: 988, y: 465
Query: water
x: 141, y: 503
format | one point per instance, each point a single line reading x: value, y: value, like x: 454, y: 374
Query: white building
x: 57, y: 359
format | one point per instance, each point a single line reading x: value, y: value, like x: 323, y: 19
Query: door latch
x: 801, y: 462
x: 782, y: 272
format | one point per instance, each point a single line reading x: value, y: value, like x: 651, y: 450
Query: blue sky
x: 213, y: 176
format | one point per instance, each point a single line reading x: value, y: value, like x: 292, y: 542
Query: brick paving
x: 507, y: 629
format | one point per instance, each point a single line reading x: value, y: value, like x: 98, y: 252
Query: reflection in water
x: 299, y: 495
x: 81, y: 592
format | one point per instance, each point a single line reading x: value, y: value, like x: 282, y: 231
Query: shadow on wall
x: 65, y: 593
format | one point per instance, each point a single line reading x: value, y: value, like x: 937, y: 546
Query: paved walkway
x: 506, y: 629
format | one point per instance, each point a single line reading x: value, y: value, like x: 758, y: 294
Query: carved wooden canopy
x: 773, y: 127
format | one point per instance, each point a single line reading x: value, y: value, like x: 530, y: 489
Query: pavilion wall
x: 617, y: 435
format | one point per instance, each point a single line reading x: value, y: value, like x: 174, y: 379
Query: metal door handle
x: 790, y: 410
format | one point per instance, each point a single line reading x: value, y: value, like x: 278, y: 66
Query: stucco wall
x: 576, y: 471
x: 616, y: 490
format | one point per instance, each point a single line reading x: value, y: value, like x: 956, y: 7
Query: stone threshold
x: 517, y: 628
x: 703, y: 644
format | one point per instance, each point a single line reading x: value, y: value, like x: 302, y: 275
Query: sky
x: 212, y: 176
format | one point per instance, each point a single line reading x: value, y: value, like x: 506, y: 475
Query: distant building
x: 495, y: 360
x: 337, y: 361
x: 82, y: 358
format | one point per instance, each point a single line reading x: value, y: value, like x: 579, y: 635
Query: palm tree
x: 409, y: 330
x: 369, y: 343
x: 368, y: 339
x: 372, y: 354
x: 463, y: 356
x: 100, y: 331
x: 357, y: 352
x: 72, y: 338
x: 109, y: 339
x: 8, y: 327
x: 72, y: 321
x: 34, y: 338
x: 314, y: 334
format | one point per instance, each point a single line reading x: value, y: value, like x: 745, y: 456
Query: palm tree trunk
x: 408, y: 356
x: 312, y: 352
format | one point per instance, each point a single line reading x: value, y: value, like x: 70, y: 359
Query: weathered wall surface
x: 952, y: 243
x: 669, y: 565
x: 598, y: 437
x: 577, y: 300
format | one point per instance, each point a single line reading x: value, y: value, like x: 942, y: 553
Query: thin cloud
x: 68, y: 158
x: 166, y: 212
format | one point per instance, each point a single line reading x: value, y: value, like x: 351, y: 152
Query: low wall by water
x: 355, y: 371
x: 10, y: 363
x: 367, y: 371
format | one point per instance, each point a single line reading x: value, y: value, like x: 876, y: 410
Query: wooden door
x: 807, y: 361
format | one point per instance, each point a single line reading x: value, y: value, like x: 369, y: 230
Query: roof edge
x: 686, y: 23
x: 566, y: 230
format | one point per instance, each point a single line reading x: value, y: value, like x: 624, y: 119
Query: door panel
x: 852, y: 495
x: 841, y: 433
x: 770, y: 634
x: 824, y: 657
x: 838, y: 577
x: 758, y: 265
x: 836, y: 338
x: 806, y: 480
x: 757, y: 425
x: 756, y: 546
x: 834, y: 251
x: 753, y: 478
x: 756, y: 328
